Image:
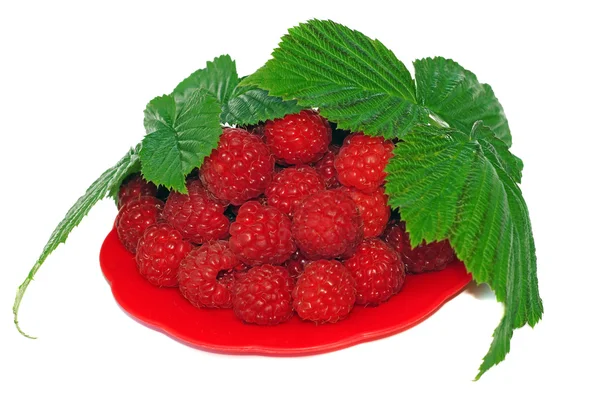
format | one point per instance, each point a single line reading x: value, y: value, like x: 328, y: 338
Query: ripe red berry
x: 239, y: 169
x: 159, y: 253
x: 290, y: 186
x: 133, y: 187
x: 327, y: 225
x: 264, y: 295
x: 135, y: 217
x: 196, y: 215
x: 373, y: 208
x: 206, y: 275
x: 325, y: 292
x: 261, y: 235
x: 326, y: 169
x: 377, y: 270
x: 299, y: 138
x: 295, y: 265
x: 362, y: 160
x: 426, y: 257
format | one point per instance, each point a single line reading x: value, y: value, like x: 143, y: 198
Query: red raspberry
x: 295, y: 265
x: 133, y: 187
x: 434, y: 256
x: 196, y: 215
x: 326, y: 169
x: 327, y: 225
x: 261, y: 235
x: 133, y: 219
x: 325, y: 292
x: 239, y: 169
x: 291, y: 185
x: 264, y: 295
x: 373, y: 209
x: 206, y: 275
x: 362, y: 160
x: 299, y: 138
x: 159, y: 253
x: 377, y: 270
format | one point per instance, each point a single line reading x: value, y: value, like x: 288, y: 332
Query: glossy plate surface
x: 220, y: 331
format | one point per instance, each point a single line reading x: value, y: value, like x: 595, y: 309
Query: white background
x: 74, y: 81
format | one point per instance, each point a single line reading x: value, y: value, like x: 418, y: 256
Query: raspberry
x: 299, y: 138
x: 362, y: 160
x: 373, y: 209
x: 326, y: 169
x: 325, y: 292
x: 295, y: 265
x: 434, y: 256
x: 196, y: 215
x: 377, y: 270
x: 159, y: 253
x: 206, y: 275
x: 133, y: 187
x: 239, y: 169
x: 134, y: 217
x: 264, y: 295
x: 327, y: 225
x: 291, y: 185
x: 261, y: 235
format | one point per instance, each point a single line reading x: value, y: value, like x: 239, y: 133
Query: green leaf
x: 463, y: 186
x: 218, y: 78
x: 180, y: 134
x: 360, y: 84
x: 108, y: 182
x: 353, y: 80
x: 240, y: 105
x: 456, y: 96
x: 250, y: 105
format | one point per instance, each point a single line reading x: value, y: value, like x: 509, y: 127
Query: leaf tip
x: 22, y: 332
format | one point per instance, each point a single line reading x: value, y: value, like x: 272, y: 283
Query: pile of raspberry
x: 280, y: 219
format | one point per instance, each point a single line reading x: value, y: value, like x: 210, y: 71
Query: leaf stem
x: 20, y: 292
x: 105, y: 185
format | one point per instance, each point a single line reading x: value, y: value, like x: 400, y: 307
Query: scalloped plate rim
x: 259, y: 349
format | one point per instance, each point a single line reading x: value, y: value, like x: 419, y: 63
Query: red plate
x: 220, y: 331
